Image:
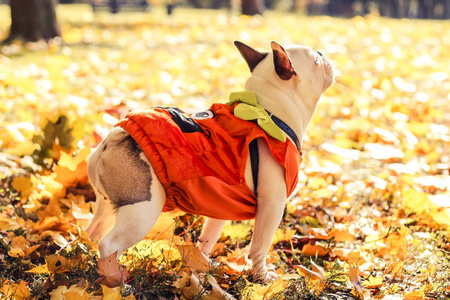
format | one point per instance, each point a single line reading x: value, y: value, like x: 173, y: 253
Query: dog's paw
x: 266, y: 277
x: 270, y: 277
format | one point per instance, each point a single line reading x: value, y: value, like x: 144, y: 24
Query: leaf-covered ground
x: 371, y: 219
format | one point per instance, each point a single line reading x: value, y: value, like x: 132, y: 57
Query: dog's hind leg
x: 103, y: 219
x: 133, y: 222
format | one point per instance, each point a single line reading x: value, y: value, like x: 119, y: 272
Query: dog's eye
x: 317, y: 59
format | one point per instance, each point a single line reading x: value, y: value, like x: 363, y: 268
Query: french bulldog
x: 131, y: 192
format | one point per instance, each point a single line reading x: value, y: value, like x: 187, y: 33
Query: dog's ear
x: 251, y: 56
x: 282, y: 62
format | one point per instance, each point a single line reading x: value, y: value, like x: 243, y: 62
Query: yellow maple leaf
x: 256, y: 291
x: 70, y: 178
x: 20, y: 248
x: 283, y: 234
x: 354, y: 257
x: 25, y: 185
x: 236, y: 231
x: 417, y: 201
x: 76, y: 293
x: 159, y: 251
x: 72, y: 162
x: 16, y: 291
x: 111, y: 293
x: 414, y: 295
x: 164, y: 226
x: 373, y: 282
x: 72, y: 170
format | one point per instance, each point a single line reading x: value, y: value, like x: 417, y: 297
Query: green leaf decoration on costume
x: 249, y: 109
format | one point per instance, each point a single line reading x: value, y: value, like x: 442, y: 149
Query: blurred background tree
x: 33, y: 20
x: 424, y: 9
x: 253, y: 7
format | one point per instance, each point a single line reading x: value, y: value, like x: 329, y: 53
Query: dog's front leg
x: 271, y: 199
x: 212, y: 228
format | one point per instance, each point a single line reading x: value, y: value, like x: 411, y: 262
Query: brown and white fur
x: 288, y: 83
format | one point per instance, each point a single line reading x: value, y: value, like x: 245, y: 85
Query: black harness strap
x: 286, y: 129
x: 254, y: 161
x: 253, y: 146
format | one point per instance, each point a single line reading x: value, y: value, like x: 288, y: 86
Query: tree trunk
x: 252, y: 7
x: 447, y: 9
x: 425, y: 10
x: 341, y: 8
x: 33, y: 20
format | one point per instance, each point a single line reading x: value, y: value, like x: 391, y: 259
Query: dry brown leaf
x: 194, y: 258
x: 112, y: 272
x: 20, y: 248
x: 58, y: 264
x: 354, y: 279
x: 193, y: 287
x: 61, y: 224
x: 16, y: 291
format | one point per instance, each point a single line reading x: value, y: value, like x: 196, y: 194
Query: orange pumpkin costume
x: 201, y: 162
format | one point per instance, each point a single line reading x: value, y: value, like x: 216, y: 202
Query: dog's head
x: 299, y: 68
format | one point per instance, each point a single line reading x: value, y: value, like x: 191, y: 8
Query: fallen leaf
x: 16, y: 291
x: 164, y: 226
x: 283, y: 234
x: 373, y: 282
x: 20, y: 248
x: 75, y: 292
x: 315, y: 250
x: 354, y: 279
x: 217, y: 292
x: 113, y: 274
x: 308, y: 273
x: 24, y: 185
x: 317, y: 269
x: 58, y: 264
x: 111, y: 293
x: 57, y: 294
x: 236, y: 231
x: 256, y: 291
x: 42, y: 269
x: 72, y: 162
x: 338, y: 234
x: 194, y: 258
x: 193, y: 287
